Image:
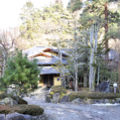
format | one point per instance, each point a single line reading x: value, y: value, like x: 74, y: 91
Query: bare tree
x: 7, y: 46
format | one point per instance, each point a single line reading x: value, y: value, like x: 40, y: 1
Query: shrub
x: 93, y: 95
x: 33, y: 110
x: 58, y: 89
x: 22, y: 109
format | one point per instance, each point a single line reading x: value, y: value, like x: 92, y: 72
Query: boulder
x: 104, y: 87
x: 113, y: 101
x: 56, y: 97
x: 118, y: 100
x: 13, y: 90
x: 88, y: 101
x: 65, y: 99
x: 48, y: 98
x: 106, y: 101
x: 19, y: 100
x: 8, y: 101
x: 2, y: 117
x: 15, y: 116
x: 77, y: 101
x: 41, y: 117
x: 12, y: 100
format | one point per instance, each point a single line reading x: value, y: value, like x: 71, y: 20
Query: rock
x: 106, y: 101
x: 8, y: 101
x: 41, y: 117
x: 104, y: 87
x: 15, y: 116
x: 19, y: 100
x: 113, y: 101
x: 77, y: 101
x: 27, y: 117
x: 18, y: 116
x: 12, y: 100
x: 65, y: 99
x: 48, y: 98
x: 56, y: 97
x: 2, y: 102
x: 88, y: 101
x: 118, y: 100
x: 13, y: 90
x: 2, y: 117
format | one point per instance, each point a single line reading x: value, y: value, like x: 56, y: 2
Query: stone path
x: 39, y: 94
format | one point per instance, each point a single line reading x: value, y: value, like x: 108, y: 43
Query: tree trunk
x: 106, y: 29
x: 93, y: 51
x: 119, y: 74
x: 4, y: 54
x: 75, y: 58
x: 76, y: 78
x: 61, y: 64
x: 91, y: 79
x: 85, y: 80
x: 98, y: 75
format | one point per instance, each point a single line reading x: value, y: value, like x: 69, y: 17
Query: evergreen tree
x: 98, y: 12
x: 22, y: 72
x: 47, y: 25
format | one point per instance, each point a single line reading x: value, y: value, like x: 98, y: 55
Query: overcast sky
x: 10, y: 10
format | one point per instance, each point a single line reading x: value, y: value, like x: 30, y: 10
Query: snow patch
x: 106, y: 104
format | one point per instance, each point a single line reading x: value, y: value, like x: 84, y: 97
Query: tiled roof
x: 51, y: 70
x: 40, y: 49
x: 34, y: 50
x: 48, y: 70
x: 50, y: 61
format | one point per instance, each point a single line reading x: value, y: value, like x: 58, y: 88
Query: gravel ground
x: 70, y: 111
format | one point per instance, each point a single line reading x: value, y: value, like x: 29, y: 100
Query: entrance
x: 47, y: 80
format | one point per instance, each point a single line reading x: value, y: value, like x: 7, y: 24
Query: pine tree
x: 22, y: 72
x: 98, y: 11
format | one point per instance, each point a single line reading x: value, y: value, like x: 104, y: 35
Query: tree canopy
x: 46, y: 25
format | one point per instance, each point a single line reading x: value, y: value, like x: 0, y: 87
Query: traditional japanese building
x: 47, y: 60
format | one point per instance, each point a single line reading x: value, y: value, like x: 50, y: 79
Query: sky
x: 10, y: 10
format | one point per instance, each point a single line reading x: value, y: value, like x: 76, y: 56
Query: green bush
x: 93, y: 95
x: 58, y: 89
